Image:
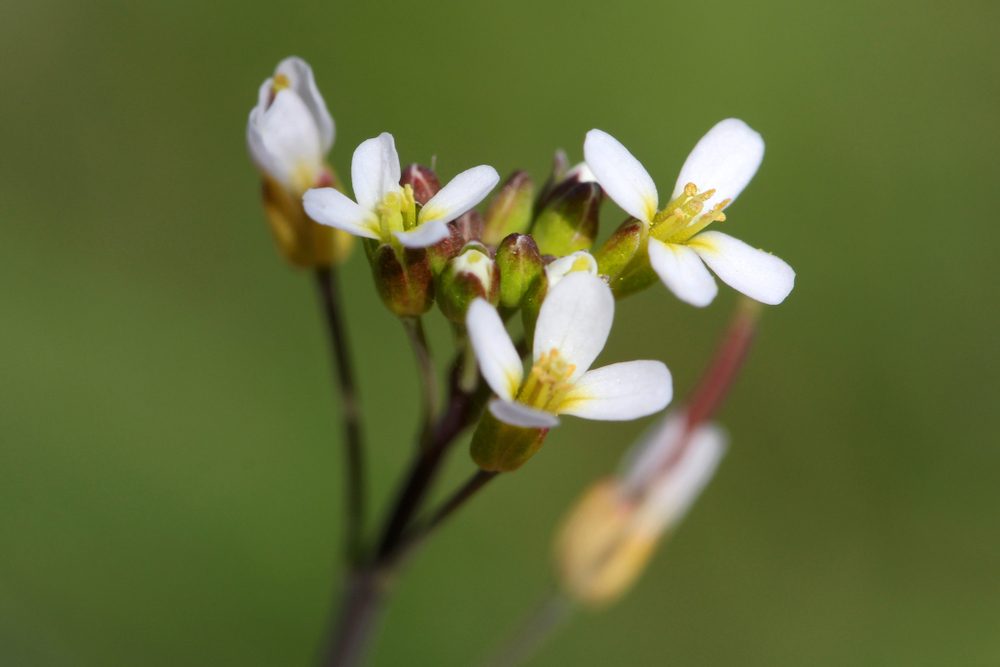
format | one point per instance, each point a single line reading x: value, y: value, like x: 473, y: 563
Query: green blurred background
x: 170, y: 466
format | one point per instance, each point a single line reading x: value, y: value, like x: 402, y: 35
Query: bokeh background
x: 170, y: 467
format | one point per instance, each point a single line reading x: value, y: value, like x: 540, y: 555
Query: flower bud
x: 569, y: 221
x: 423, y: 180
x: 623, y: 259
x: 511, y: 209
x: 471, y: 274
x: 403, y: 278
x: 520, y: 267
x: 289, y: 132
x: 610, y: 534
x: 501, y: 447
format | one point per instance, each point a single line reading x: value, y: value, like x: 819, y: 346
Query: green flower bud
x: 500, y: 447
x: 520, y: 266
x: 469, y: 275
x: 423, y: 180
x: 403, y: 278
x: 569, y: 221
x: 511, y: 208
x: 624, y: 260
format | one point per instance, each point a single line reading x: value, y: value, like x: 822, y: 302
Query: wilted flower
x: 715, y: 173
x: 385, y: 210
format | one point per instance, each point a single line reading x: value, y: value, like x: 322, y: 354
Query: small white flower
x: 384, y: 209
x: 715, y: 173
x: 290, y: 131
x: 573, y: 326
x: 557, y: 269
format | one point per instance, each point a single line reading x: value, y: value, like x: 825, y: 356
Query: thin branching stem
x: 414, y: 327
x: 343, y: 373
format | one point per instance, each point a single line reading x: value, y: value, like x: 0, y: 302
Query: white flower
x: 290, y: 131
x: 715, y: 173
x: 573, y: 326
x: 581, y: 260
x: 385, y: 210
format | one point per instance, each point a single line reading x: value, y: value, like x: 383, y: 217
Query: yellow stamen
x: 548, y: 382
x: 682, y: 218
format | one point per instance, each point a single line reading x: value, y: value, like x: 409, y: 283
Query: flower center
x: 683, y: 217
x: 548, y: 383
x: 397, y: 212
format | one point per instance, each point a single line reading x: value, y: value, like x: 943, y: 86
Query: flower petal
x: 724, y: 160
x: 682, y: 272
x: 673, y: 492
x: 519, y: 414
x: 375, y: 170
x: 619, y: 392
x: 335, y: 209
x: 621, y: 175
x: 758, y: 274
x: 460, y: 194
x: 284, y: 142
x: 647, y: 457
x: 575, y: 319
x: 498, y: 360
x: 300, y: 75
x: 581, y: 260
x: 424, y: 235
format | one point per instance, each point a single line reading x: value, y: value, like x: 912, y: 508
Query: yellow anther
x: 279, y: 83
x: 548, y: 382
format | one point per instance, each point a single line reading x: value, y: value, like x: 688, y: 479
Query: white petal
x: 518, y: 414
x: 618, y: 392
x: 424, y: 235
x: 284, y: 141
x: 657, y: 446
x: 724, y: 160
x: 498, y: 360
x: 673, y: 492
x: 375, y: 170
x: 682, y: 272
x: 581, y: 173
x: 621, y: 175
x: 581, y: 260
x: 575, y: 319
x: 300, y: 75
x: 335, y: 209
x: 758, y: 274
x: 460, y: 194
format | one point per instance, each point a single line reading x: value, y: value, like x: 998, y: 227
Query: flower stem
x: 343, y: 372
x: 540, y: 623
x: 428, y: 378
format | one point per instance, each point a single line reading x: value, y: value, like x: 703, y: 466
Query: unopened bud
x: 520, y: 266
x: 300, y: 240
x: 623, y: 259
x: 403, y: 278
x: 501, y: 447
x: 465, y: 229
x: 469, y: 275
x: 423, y: 180
x: 569, y: 220
x: 511, y: 208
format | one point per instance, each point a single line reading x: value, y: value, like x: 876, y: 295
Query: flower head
x: 290, y: 131
x: 717, y: 170
x: 384, y: 210
x: 572, y: 328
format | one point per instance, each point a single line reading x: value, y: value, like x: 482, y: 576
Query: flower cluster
x: 525, y: 264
